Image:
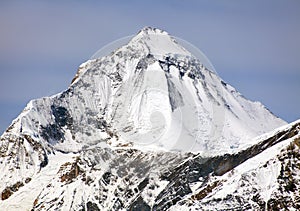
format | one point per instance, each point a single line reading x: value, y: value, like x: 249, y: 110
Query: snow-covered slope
x: 123, y: 127
x: 267, y: 181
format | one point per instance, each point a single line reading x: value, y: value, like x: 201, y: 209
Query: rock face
x: 147, y: 127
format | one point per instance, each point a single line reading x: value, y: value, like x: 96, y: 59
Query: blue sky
x: 253, y: 45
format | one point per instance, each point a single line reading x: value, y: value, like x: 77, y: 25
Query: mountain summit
x: 153, y: 94
x: 126, y: 125
x: 158, y: 42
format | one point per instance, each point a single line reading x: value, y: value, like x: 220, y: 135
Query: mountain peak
x: 152, y: 30
x: 157, y: 42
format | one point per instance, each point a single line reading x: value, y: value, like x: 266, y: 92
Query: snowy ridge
x: 264, y: 182
x: 103, y: 179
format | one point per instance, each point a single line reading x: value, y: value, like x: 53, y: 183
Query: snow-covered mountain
x: 146, y: 127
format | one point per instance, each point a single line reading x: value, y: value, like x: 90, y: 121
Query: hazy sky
x: 254, y: 45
